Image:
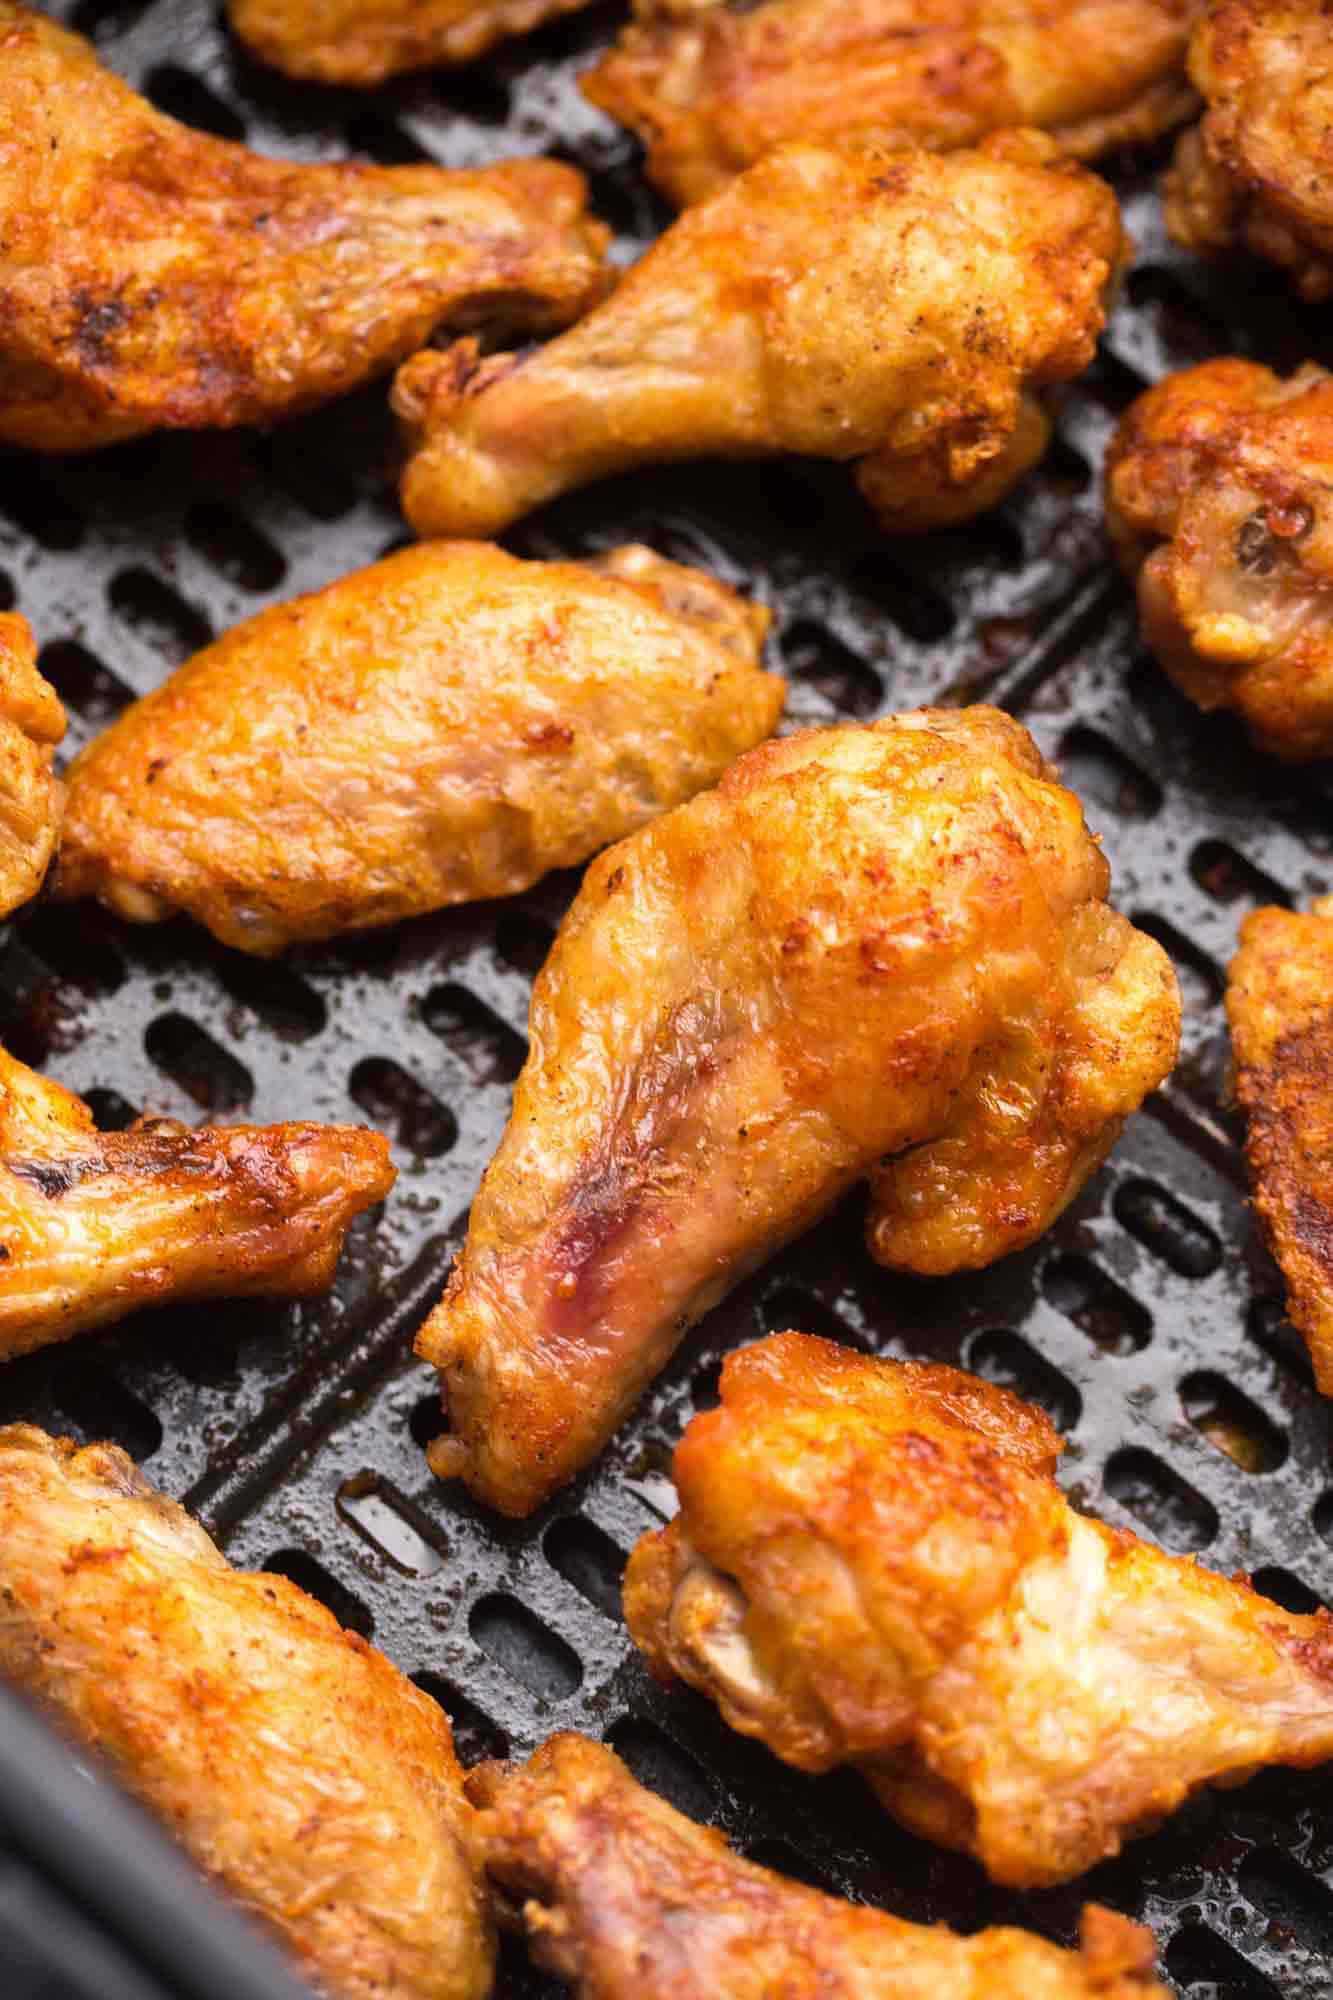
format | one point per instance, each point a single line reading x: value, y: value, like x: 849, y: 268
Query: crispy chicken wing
x: 1280, y: 1007
x: 153, y: 276
x: 448, y: 724
x: 302, y: 1771
x: 32, y: 722
x: 1257, y: 171
x: 1217, y: 497
x: 903, y: 309
x: 93, y: 1224
x: 873, y: 1564
x: 365, y: 41
x: 624, y: 1896
x: 710, y: 88
x: 872, y: 950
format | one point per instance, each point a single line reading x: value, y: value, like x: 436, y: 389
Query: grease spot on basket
x: 1170, y: 1509
x: 659, y: 1762
x: 312, y: 1577
x: 1005, y: 1358
x: 1220, y: 1412
x: 586, y: 1557
x: 1088, y: 1296
x: 517, y: 1640
x: 1162, y: 1224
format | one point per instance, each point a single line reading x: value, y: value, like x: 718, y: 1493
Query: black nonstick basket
x: 1147, y: 1322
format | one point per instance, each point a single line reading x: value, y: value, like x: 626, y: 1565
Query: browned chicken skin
x: 872, y: 1564
x: 710, y: 88
x: 301, y: 1770
x: 32, y: 722
x: 875, y: 950
x: 1218, y: 498
x: 902, y: 309
x: 365, y: 41
x: 1280, y: 1007
x: 94, y: 1224
x: 1257, y: 171
x: 447, y: 724
x: 152, y: 276
x: 624, y: 1895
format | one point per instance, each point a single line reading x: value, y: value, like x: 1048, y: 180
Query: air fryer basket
x: 1147, y: 1322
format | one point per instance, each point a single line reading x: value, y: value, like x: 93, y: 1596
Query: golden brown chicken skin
x: 152, y: 276
x: 877, y: 950
x: 361, y: 42
x: 711, y: 88
x: 1280, y: 1009
x: 301, y: 1770
x: 32, y: 722
x: 902, y: 309
x: 448, y: 724
x: 873, y: 1564
x: 94, y: 1224
x: 1257, y: 172
x: 623, y: 1895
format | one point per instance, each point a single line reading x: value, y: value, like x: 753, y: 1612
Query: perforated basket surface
x: 1147, y: 1322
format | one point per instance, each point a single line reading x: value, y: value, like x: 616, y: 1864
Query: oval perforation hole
x: 85, y: 686
x: 377, y: 138
x: 1202, y: 982
x: 1291, y: 1592
x: 296, y: 464
x: 1099, y: 773
x: 791, y: 1309
x: 528, y: 1651
x: 587, y: 1558
x: 185, y: 96
x: 478, y: 94
x: 402, y: 1107
x: 1269, y: 1327
x: 79, y: 954
x: 524, y: 941
x: 1003, y: 1357
x: 818, y: 658
x: 318, y: 1582
x: 391, y: 1524
x: 40, y: 511
x: 1165, y: 1226
x: 917, y: 610
x: 1197, y: 1956
x: 287, y: 1004
x: 111, y: 1112
x: 158, y: 615
x: 1231, y: 1422
x: 1291, y: 1898
x: 206, y: 1072
x: 234, y: 547
x: 706, y: 1385
x: 488, y: 1048
x: 659, y: 1762
x: 426, y: 1420
x: 1231, y: 877
x: 103, y: 1409
x: 1172, y: 1512
x: 476, y: 1737
x: 1085, y: 1294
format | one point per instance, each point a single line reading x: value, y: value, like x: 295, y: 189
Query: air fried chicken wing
x: 153, y: 276
x: 301, y: 1770
x: 94, y: 1224
x: 1218, y: 499
x: 902, y: 309
x: 32, y: 722
x: 877, y: 950
x: 1280, y: 1007
x: 447, y: 724
x: 625, y: 1896
x: 873, y: 1564
x: 365, y: 41
x: 710, y: 88
x: 1257, y: 171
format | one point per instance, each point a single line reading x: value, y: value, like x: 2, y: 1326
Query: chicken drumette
x: 877, y: 950
x: 710, y: 86
x: 1280, y: 1007
x: 448, y: 724
x: 1257, y: 171
x: 32, y: 722
x: 151, y: 275
x: 904, y: 309
x: 1218, y: 499
x: 364, y: 41
x: 93, y: 1224
x: 873, y: 1564
x: 301, y: 1770
x: 628, y: 1900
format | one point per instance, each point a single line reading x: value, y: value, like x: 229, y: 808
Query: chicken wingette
x: 445, y: 725
x: 876, y: 950
x: 907, y: 310
x: 712, y: 85
x: 32, y: 722
x: 627, y: 1899
x: 300, y: 1769
x: 361, y: 42
x: 1218, y: 501
x: 153, y: 276
x: 873, y: 1564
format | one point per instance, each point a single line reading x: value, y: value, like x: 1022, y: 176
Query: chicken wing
x: 152, y: 276
x: 710, y: 88
x: 1217, y: 499
x: 94, y: 1224
x: 623, y: 1896
x: 32, y: 722
x: 365, y: 41
x: 872, y: 950
x: 301, y: 1770
x: 1280, y: 1007
x: 1255, y: 172
x: 873, y: 1564
x: 904, y: 309
x: 448, y: 724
